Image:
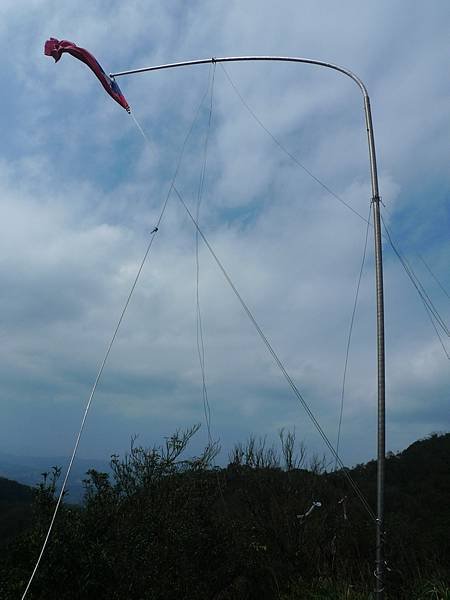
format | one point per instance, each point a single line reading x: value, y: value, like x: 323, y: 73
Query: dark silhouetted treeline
x: 15, y: 509
x: 273, y: 524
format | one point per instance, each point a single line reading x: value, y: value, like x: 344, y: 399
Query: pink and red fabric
x: 55, y: 48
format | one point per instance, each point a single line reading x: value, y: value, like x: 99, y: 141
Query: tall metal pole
x: 380, y: 562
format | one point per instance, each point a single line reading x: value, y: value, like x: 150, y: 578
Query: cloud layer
x: 80, y: 192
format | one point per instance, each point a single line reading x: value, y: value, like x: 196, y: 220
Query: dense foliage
x: 165, y: 527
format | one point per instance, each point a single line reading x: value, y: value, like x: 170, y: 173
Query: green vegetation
x: 163, y: 526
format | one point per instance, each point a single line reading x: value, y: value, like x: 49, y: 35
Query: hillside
x: 28, y: 470
x: 15, y: 509
x: 163, y: 526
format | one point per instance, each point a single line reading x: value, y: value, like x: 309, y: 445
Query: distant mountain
x: 28, y: 470
x: 15, y: 508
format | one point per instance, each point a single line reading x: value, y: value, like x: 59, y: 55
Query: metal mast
x: 380, y: 561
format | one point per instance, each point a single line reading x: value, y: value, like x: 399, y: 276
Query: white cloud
x: 80, y: 192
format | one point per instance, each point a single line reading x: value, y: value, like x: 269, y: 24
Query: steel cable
x: 347, y: 352
x: 278, y: 362
x: 199, y: 324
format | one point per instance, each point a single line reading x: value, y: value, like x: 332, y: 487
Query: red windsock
x: 55, y: 48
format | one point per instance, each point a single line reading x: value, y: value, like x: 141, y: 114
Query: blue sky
x: 80, y: 192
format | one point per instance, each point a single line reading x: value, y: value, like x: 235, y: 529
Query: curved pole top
x: 203, y: 61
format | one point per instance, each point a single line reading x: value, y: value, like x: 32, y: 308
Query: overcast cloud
x: 80, y: 192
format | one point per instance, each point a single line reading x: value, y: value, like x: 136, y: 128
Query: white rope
x: 110, y: 345
x: 86, y: 411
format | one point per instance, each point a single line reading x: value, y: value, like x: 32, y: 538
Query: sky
x: 81, y: 190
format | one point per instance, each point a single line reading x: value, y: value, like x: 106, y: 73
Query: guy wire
x: 412, y: 276
x: 352, y: 320
x: 278, y: 362
x: 199, y: 324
